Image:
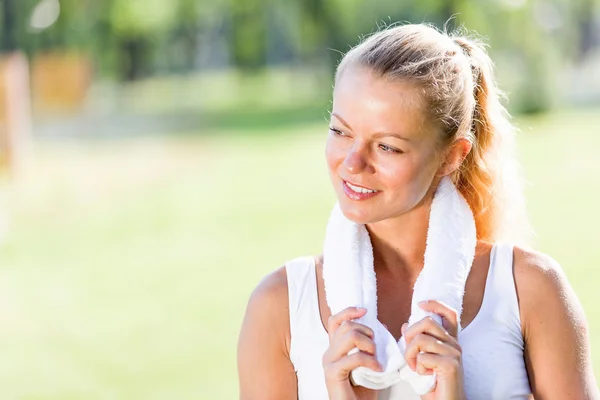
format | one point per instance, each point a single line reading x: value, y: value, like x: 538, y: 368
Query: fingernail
x: 361, y: 309
x: 422, y: 303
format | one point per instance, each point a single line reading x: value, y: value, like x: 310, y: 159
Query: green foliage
x: 248, y: 33
x: 135, y: 38
x: 142, y: 17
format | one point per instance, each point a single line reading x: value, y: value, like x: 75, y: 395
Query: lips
x: 354, y: 184
x: 352, y: 195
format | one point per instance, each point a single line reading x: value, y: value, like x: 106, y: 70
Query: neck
x: 399, y: 243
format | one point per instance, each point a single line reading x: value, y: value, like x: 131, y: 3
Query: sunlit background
x: 159, y: 157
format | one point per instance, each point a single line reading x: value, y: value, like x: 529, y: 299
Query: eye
x: 389, y: 149
x: 336, y: 131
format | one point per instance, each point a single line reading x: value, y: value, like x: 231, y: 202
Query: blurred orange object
x: 60, y: 82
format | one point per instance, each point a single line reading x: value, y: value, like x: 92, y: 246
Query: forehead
x: 373, y: 103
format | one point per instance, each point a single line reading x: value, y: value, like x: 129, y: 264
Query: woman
x: 410, y: 106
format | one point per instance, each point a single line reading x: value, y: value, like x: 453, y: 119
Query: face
x: 379, y: 139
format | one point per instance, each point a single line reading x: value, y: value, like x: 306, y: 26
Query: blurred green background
x: 175, y: 156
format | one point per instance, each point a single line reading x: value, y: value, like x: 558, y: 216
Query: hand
x: 345, y: 335
x: 433, y: 348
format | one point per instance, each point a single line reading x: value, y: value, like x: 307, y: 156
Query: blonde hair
x: 455, y: 76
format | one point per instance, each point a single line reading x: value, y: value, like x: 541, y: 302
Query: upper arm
x: 555, y: 330
x: 264, y: 367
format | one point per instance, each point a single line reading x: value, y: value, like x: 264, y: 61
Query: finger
x: 349, y: 313
x: 430, y: 327
x: 427, y: 325
x: 403, y: 328
x: 424, y: 343
x: 348, y: 325
x: 447, y: 313
x: 427, y: 363
x: 340, y: 370
x: 350, y: 340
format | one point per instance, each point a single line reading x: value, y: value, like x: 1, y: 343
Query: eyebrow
x: 376, y: 135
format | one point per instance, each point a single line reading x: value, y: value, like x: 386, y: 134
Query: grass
x: 126, y: 265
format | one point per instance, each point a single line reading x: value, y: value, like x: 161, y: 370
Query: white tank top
x: 492, y: 343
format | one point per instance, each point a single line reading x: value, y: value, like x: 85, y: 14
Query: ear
x: 454, y: 157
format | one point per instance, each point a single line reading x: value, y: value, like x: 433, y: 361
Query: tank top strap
x: 503, y: 294
x: 302, y: 297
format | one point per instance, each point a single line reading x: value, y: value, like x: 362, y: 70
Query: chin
x: 358, y: 213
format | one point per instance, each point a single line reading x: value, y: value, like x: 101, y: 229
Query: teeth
x: 359, y: 189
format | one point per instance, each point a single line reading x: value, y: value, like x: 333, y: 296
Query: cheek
x: 334, y: 155
x: 409, y: 178
x: 398, y: 173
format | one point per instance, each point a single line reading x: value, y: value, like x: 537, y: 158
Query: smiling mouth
x: 359, y: 189
x: 358, y: 193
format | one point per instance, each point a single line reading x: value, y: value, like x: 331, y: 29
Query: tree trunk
x: 134, y: 52
x: 9, y: 42
x: 587, y: 34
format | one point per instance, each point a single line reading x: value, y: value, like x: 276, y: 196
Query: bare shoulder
x: 538, y: 277
x: 533, y: 268
x: 268, y: 304
x: 529, y: 261
x: 554, y: 327
x: 540, y: 282
x: 270, y: 298
x: 271, y: 288
x: 263, y: 344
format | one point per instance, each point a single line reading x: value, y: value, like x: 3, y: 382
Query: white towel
x: 350, y: 280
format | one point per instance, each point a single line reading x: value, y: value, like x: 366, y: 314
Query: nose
x: 355, y: 160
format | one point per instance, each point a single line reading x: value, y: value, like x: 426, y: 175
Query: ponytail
x: 489, y: 177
